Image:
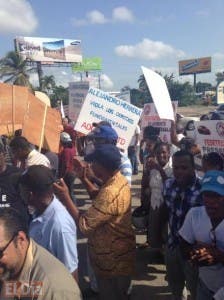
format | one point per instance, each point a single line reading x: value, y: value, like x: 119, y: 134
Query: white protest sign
x: 150, y: 117
x: 77, y: 94
x: 100, y: 106
x: 160, y: 94
x: 210, y: 136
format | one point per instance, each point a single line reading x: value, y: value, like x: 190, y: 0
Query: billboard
x: 88, y: 64
x: 195, y: 65
x: 49, y: 49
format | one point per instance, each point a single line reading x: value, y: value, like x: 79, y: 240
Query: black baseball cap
x: 37, y: 178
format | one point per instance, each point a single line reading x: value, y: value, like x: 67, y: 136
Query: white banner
x: 100, y: 106
x: 77, y: 95
x: 210, y: 136
x: 160, y: 94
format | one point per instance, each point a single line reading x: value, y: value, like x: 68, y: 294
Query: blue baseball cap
x: 213, y: 181
x: 103, y: 132
x: 107, y: 155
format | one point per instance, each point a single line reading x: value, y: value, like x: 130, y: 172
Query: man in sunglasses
x: 202, y: 237
x: 28, y: 271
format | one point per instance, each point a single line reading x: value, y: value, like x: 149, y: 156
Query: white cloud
x: 149, y: 50
x: 122, y: 14
x: 119, y: 14
x: 96, y: 17
x: 92, y: 17
x: 218, y: 55
x: 17, y: 16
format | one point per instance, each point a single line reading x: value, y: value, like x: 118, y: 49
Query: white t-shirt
x: 197, y: 228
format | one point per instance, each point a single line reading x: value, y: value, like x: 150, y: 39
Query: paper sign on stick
x: 100, y: 106
x: 160, y: 93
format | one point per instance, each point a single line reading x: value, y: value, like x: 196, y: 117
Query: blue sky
x: 125, y: 34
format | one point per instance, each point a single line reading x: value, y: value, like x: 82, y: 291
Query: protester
x: 133, y: 150
x: 28, y: 265
x: 107, y: 224
x: 212, y: 161
x: 202, y: 236
x: 9, y: 191
x: 69, y: 128
x: 105, y: 134
x: 25, y: 153
x: 180, y: 194
x: 66, y: 167
x: 51, y: 227
x: 159, y: 171
x: 53, y: 159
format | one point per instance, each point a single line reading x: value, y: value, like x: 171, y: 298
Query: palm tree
x: 143, y: 87
x: 14, y: 69
x: 48, y: 83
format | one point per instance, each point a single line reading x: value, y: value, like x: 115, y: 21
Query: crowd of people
x: 182, y: 206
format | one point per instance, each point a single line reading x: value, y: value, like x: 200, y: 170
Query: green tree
x: 15, y: 70
x: 59, y: 93
x: 201, y: 87
x: 182, y: 92
x: 143, y: 87
x: 219, y: 77
x: 48, y: 84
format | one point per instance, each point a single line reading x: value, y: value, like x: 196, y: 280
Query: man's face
x: 12, y: 257
x: 183, y: 170
x: 214, y: 204
x: 162, y: 155
x: 149, y: 145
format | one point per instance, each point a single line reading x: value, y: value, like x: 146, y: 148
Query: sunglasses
x: 6, y: 246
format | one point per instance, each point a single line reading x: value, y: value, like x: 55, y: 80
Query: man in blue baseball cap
x: 202, y: 237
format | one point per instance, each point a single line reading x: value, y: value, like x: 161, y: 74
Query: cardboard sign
x: 210, y: 136
x: 20, y: 109
x: 160, y: 94
x: 100, y: 106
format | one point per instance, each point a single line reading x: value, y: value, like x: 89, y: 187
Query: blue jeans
x: 132, y: 155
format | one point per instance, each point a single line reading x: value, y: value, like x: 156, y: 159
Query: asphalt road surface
x: 149, y: 280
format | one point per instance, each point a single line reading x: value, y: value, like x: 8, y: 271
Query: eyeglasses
x: 213, y: 236
x: 6, y: 246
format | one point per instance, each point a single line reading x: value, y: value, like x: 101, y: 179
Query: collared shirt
x: 37, y: 158
x: 40, y: 267
x: 107, y: 223
x: 55, y: 230
x: 178, y: 203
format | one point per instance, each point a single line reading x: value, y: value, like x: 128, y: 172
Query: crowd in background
x: 181, y: 207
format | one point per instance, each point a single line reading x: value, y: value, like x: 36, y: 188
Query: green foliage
x: 219, y: 77
x: 15, y: 70
x: 59, y: 93
x: 182, y: 92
